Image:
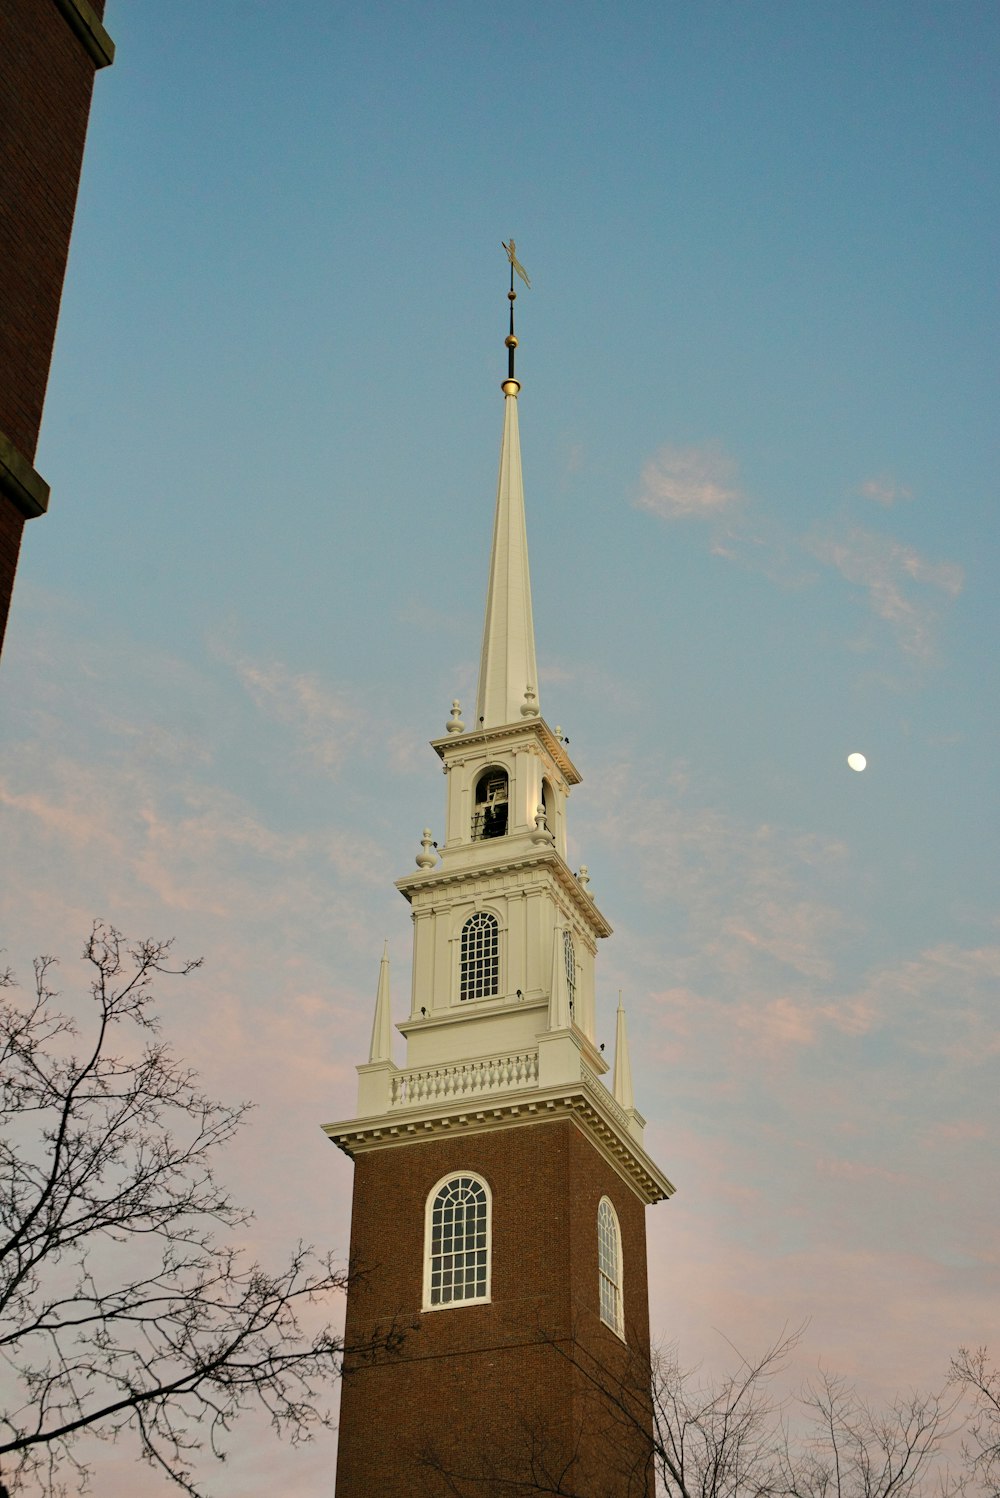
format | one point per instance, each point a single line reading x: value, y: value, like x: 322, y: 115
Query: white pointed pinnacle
x: 381, y: 1046
x: 426, y: 858
x: 623, y: 1092
x: 454, y: 723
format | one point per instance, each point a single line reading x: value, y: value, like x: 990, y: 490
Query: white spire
x: 623, y: 1066
x: 507, y: 668
x: 381, y: 1046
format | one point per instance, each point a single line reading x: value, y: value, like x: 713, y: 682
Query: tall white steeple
x: 503, y: 1027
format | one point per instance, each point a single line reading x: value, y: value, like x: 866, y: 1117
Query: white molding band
x: 586, y: 1108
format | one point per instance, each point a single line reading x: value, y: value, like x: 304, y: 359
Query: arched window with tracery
x: 609, y: 1267
x: 479, y: 962
x: 457, y: 1253
x: 569, y: 956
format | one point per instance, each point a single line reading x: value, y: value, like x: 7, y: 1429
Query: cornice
x: 23, y: 486
x: 84, y: 21
x: 532, y: 727
x: 583, y: 1105
x: 541, y: 857
x: 468, y: 1013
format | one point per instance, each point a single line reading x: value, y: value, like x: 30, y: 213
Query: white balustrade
x: 464, y: 1079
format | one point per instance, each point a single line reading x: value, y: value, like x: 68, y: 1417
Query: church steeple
x: 508, y: 674
x: 500, y: 1180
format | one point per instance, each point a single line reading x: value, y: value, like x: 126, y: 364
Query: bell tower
x: 500, y: 1183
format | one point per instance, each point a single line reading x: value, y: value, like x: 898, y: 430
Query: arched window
x: 457, y: 1256
x: 609, y: 1267
x: 489, y: 819
x: 547, y: 803
x: 479, y: 973
x: 570, y: 959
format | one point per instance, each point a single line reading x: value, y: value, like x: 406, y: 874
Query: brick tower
x: 500, y: 1185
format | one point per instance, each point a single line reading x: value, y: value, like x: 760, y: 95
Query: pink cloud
x: 684, y: 482
x: 325, y: 723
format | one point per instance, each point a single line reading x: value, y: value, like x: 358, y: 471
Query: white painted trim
x: 463, y: 915
x: 618, y: 1330
x: 479, y: 1300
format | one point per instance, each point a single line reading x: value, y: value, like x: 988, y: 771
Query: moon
x: 857, y: 762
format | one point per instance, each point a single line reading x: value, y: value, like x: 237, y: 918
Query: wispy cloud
x: 911, y: 995
x: 754, y: 895
x: 884, y: 490
x: 887, y: 569
x: 326, y: 723
x: 680, y: 483
x: 904, y: 589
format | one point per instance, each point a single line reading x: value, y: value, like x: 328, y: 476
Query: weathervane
x: 510, y: 340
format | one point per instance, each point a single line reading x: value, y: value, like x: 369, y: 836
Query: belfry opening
x: 489, y: 817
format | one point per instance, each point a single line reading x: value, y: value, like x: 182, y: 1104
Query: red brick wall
x: 46, y: 82
x: 11, y: 526
x: 485, y: 1390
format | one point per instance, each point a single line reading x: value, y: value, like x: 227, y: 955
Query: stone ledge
x: 479, y: 738
x: 523, y: 858
x: 83, y: 20
x: 399, y: 1128
x: 25, y: 488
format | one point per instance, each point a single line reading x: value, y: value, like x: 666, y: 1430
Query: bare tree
x: 720, y: 1438
x: 855, y: 1450
x: 973, y: 1372
x: 120, y: 1309
x: 733, y: 1436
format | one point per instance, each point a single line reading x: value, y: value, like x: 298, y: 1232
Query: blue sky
x: 759, y: 438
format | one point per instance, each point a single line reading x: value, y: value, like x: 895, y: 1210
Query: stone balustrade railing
x: 464, y: 1079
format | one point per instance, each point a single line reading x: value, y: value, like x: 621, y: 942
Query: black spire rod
x: 510, y: 340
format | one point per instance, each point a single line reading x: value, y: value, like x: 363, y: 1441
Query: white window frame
x: 608, y: 1286
x: 432, y: 1196
x: 501, y: 933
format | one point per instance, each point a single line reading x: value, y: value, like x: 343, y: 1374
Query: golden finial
x: 510, y: 386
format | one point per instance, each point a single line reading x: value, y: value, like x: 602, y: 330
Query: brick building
x: 500, y: 1185
x: 49, y: 52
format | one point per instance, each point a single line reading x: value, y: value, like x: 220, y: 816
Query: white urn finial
x: 426, y: 858
x: 540, y: 832
x: 455, y: 724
